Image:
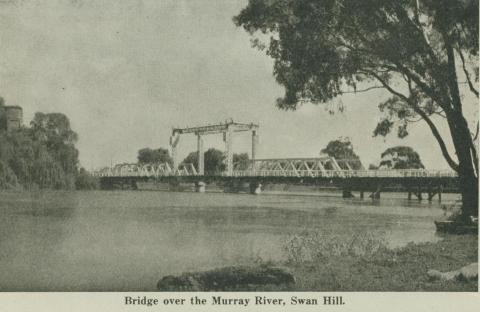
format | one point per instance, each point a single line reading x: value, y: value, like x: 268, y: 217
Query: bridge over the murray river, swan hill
x: 325, y: 172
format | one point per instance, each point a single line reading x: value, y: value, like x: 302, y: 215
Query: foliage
x: 154, y: 156
x: 85, y: 181
x: 191, y: 158
x: 342, y: 150
x: 316, y: 245
x: 53, y: 132
x: 419, y: 51
x: 8, y: 179
x: 215, y: 161
x: 241, y: 161
x: 401, y: 157
x: 41, y: 156
x: 372, y: 167
x: 401, y: 269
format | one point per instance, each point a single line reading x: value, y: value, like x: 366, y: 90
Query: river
x: 128, y: 240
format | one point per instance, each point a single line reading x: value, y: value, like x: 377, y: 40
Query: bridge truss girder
x: 147, y: 170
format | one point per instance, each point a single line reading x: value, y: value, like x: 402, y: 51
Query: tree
x: 154, y: 156
x: 85, y: 181
x: 214, y: 161
x: 342, y: 150
x: 401, y: 157
x: 417, y: 50
x: 373, y: 167
x: 241, y: 161
x: 43, y: 155
x: 191, y: 158
x: 53, y: 131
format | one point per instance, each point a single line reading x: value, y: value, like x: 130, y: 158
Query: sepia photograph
x: 239, y: 146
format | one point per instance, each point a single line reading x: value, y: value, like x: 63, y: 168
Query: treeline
x: 42, y: 156
x: 398, y: 157
x: 214, y: 159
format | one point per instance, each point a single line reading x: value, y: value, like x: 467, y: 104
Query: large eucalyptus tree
x: 418, y: 50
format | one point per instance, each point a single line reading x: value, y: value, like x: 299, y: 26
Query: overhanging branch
x: 467, y: 74
x: 430, y: 123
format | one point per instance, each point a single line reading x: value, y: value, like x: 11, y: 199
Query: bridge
x: 319, y: 171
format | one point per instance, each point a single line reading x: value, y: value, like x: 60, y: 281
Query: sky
x: 126, y: 72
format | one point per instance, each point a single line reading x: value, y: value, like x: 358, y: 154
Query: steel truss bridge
x: 322, y: 167
x: 323, y: 172
x: 346, y: 174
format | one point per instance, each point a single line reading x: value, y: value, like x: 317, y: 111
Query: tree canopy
x: 40, y: 156
x: 420, y: 51
x: 401, y: 157
x: 215, y: 161
x: 154, y: 156
x: 342, y: 150
x: 241, y: 161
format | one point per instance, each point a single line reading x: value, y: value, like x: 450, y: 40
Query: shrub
x: 316, y: 245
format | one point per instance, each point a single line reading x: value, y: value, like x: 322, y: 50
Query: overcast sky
x: 126, y: 73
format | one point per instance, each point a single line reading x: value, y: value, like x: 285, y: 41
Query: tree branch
x: 419, y: 111
x: 363, y: 90
x: 476, y: 134
x: 467, y: 74
x: 440, y: 114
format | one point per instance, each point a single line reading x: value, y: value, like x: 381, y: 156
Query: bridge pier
x: 375, y: 194
x: 255, y: 188
x: 133, y: 184
x: 418, y: 193
x: 361, y: 194
x: 432, y: 194
x: 200, y: 187
x: 346, y: 193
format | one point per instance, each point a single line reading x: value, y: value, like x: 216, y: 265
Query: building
x: 11, y: 117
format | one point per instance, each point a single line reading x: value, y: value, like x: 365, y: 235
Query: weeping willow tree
x: 40, y: 156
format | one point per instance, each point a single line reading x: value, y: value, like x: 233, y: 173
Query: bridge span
x: 322, y: 172
x: 346, y: 174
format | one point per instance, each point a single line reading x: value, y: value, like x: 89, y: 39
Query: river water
x: 128, y: 240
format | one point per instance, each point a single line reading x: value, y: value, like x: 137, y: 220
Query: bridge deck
x: 408, y: 173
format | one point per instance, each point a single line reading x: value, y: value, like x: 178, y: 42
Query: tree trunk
x: 467, y: 173
x: 469, y: 190
x: 462, y: 139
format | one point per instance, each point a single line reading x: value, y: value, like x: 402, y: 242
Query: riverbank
x: 402, y: 269
x: 353, y: 265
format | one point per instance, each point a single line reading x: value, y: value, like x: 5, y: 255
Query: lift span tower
x: 228, y: 129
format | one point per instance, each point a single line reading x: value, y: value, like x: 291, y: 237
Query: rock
x: 228, y: 278
x: 447, y: 276
x: 469, y: 272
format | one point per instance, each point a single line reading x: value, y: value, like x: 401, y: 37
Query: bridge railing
x: 399, y: 173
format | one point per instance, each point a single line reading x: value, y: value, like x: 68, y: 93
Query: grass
x: 339, y: 268
x: 321, y: 261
